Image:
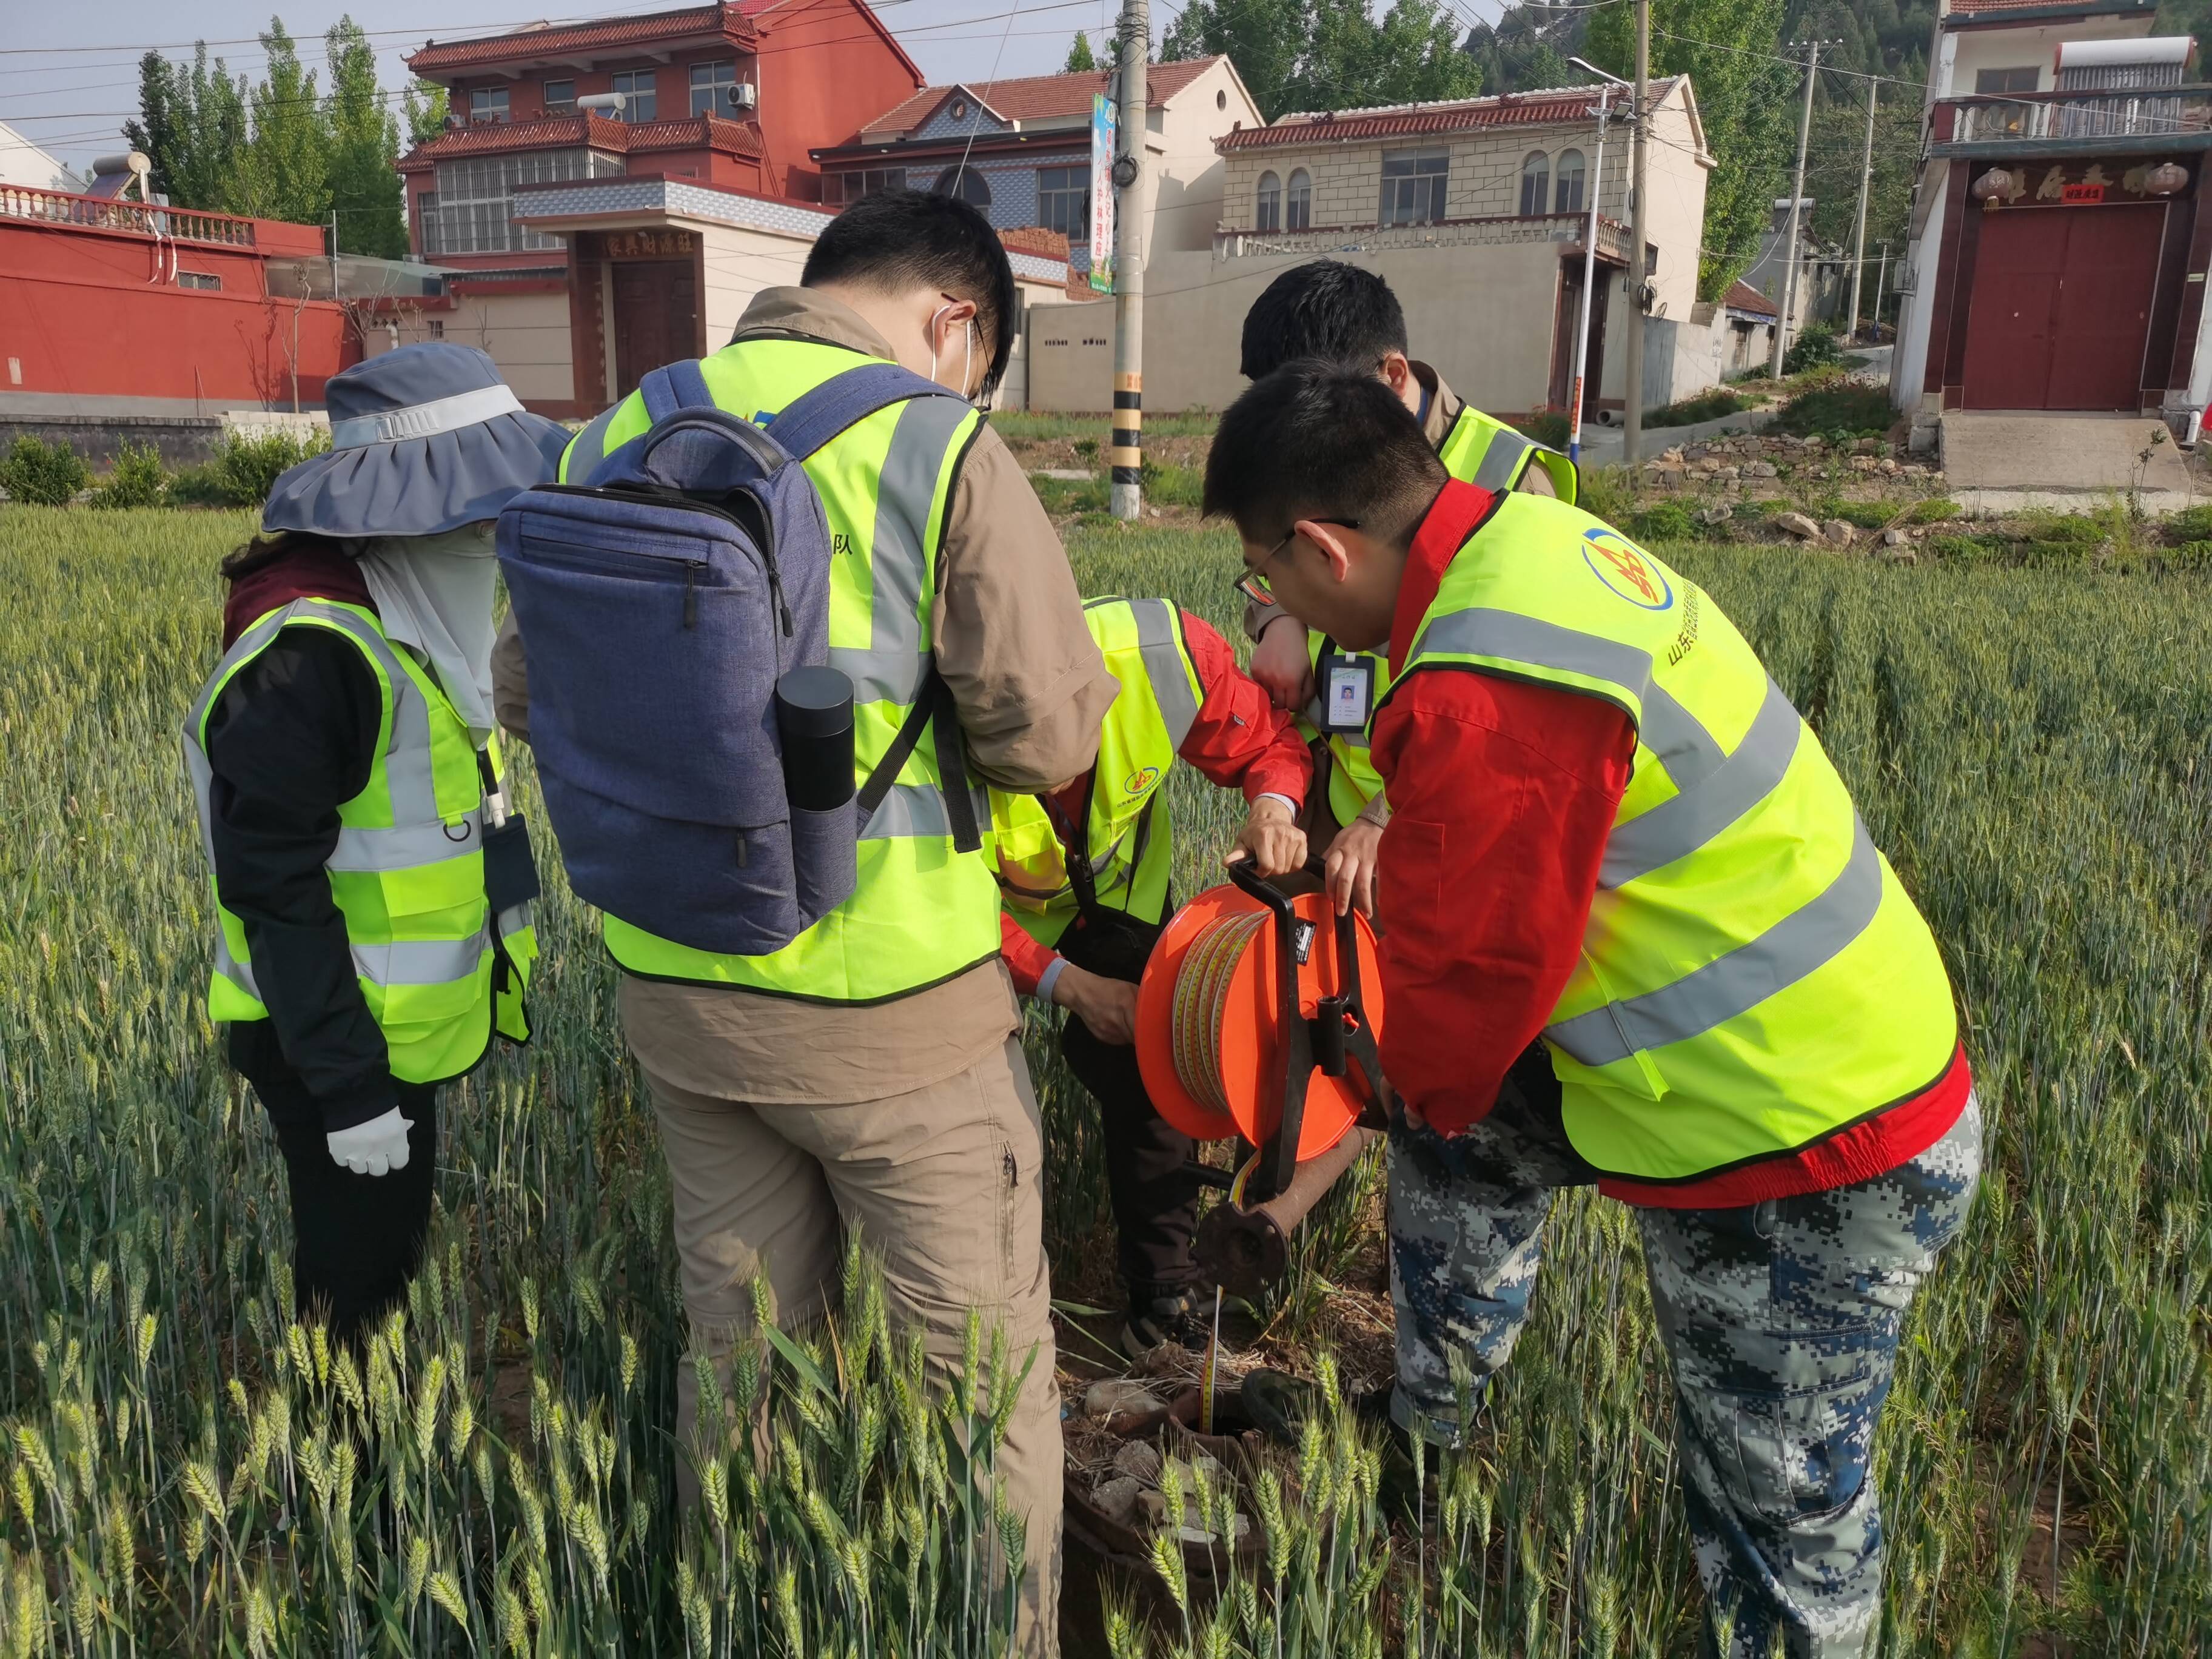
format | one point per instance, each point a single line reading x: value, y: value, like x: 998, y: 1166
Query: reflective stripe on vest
x: 1128, y: 836
x: 1754, y: 977
x: 408, y: 858
x: 919, y: 913
x: 1485, y: 451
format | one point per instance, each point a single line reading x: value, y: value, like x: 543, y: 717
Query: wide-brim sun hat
x: 423, y: 440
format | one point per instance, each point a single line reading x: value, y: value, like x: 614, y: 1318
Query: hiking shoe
x: 1176, y: 1318
x: 1278, y: 1404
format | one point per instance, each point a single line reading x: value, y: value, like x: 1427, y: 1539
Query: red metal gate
x: 2061, y: 308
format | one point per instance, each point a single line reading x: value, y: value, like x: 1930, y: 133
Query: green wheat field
x: 187, y: 1471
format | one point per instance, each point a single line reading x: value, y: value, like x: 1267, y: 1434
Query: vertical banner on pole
x: 1102, y: 193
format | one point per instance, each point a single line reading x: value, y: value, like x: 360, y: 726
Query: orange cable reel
x: 1218, y: 1039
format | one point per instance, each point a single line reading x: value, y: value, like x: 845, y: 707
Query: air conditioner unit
x: 744, y: 96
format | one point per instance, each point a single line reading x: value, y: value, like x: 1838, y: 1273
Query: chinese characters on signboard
x: 1102, y: 193
x: 648, y: 244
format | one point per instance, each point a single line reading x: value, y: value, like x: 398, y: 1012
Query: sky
x: 69, y: 77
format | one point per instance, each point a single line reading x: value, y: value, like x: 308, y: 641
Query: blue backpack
x: 661, y: 604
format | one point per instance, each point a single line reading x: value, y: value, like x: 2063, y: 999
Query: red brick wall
x: 87, y: 317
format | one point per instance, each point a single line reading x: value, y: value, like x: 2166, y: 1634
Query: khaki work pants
x: 943, y: 1183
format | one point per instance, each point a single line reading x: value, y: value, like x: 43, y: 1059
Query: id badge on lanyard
x: 1347, y: 692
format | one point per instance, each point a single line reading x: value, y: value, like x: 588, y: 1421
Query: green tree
x: 1730, y: 51
x: 1330, y: 54
x: 1832, y: 160
x: 287, y: 162
x: 365, y: 190
x: 191, y: 123
x: 1079, y: 60
x: 423, y: 106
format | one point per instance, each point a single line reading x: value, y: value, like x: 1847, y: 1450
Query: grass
x: 1688, y: 411
x: 1835, y: 407
x: 187, y: 1473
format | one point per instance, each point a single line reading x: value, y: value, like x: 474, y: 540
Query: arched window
x: 1535, y: 182
x: 1568, y: 195
x: 1267, y: 214
x: 1299, y: 215
x: 967, y: 184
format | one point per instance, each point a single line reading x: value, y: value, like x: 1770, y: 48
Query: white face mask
x: 967, y: 353
x: 436, y: 593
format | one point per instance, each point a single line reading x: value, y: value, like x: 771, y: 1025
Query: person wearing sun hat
x: 371, y: 890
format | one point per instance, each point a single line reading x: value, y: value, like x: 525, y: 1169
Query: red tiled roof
x: 1744, y: 297
x: 568, y: 131
x: 1035, y: 97
x: 728, y: 20
x: 1511, y: 109
x: 1035, y: 240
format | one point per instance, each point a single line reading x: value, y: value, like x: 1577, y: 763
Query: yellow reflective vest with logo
x: 438, y: 969
x: 1753, y: 976
x: 921, y: 912
x: 1128, y: 841
x: 1478, y: 450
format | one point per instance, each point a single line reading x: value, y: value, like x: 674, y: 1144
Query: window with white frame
x: 475, y: 199
x: 1567, y: 194
x: 1535, y: 183
x: 711, y: 85
x: 640, y: 100
x: 1298, y: 200
x: 488, y: 104
x: 426, y: 215
x: 867, y: 181
x: 198, y: 279
x: 560, y: 97
x: 1413, y: 186
x: 1268, y: 207
x: 1064, y: 203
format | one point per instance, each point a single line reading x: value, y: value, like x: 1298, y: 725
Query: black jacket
x: 292, y: 737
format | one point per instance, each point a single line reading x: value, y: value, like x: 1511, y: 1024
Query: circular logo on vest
x: 1140, y: 780
x: 1621, y: 566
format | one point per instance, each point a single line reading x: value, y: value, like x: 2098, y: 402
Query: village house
x: 2059, y: 244
x: 1020, y: 150
x: 1477, y: 214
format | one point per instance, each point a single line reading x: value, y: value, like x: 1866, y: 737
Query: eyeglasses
x: 1253, y: 583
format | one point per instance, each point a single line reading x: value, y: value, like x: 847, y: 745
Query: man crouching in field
x: 1611, y: 831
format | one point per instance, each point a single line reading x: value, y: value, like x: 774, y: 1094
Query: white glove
x: 373, y: 1148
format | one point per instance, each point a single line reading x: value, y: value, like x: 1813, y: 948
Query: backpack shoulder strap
x: 807, y: 423
x: 674, y: 387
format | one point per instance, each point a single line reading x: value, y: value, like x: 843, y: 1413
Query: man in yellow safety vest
x: 1611, y: 831
x: 1329, y: 309
x: 870, y: 1073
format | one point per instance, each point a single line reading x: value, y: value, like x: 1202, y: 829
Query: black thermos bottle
x: 814, y: 717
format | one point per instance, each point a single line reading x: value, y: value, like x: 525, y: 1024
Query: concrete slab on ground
x: 1997, y: 503
x: 2054, y: 453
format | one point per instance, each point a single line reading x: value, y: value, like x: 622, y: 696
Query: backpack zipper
x: 677, y: 498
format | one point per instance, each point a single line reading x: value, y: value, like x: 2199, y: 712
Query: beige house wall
x: 526, y: 335
x: 1482, y: 315
x: 1185, y: 176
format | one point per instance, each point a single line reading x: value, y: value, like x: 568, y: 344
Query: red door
x: 2061, y: 308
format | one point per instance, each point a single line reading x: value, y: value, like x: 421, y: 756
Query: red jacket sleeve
x: 1240, y: 740
x: 1025, y: 959
x: 1502, y: 795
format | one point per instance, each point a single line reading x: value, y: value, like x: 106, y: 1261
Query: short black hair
x: 1320, y: 439
x: 1325, y: 309
x: 900, y: 238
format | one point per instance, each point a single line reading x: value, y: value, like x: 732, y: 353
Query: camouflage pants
x: 1781, y: 1319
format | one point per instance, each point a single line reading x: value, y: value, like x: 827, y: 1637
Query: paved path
x: 2044, y: 453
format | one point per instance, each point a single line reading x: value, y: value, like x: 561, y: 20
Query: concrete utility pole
x: 1589, y: 285
x: 1858, y: 234
x: 1127, y: 455
x: 1796, y: 200
x: 1631, y: 425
